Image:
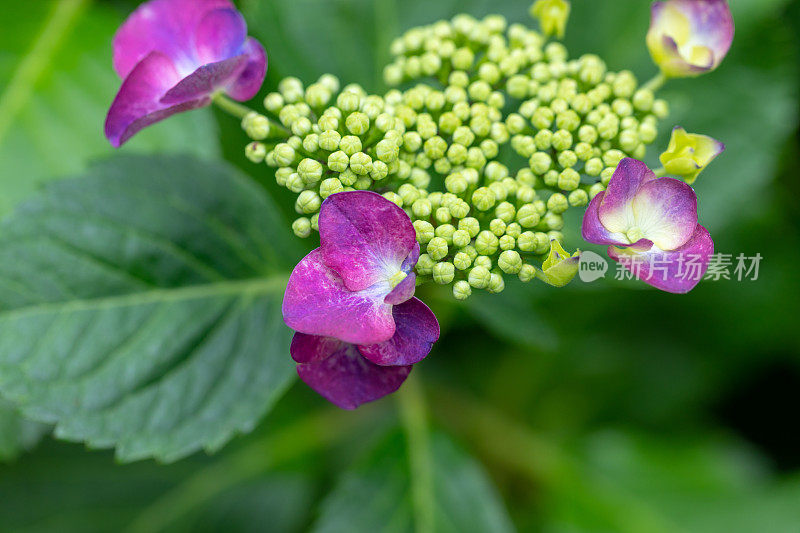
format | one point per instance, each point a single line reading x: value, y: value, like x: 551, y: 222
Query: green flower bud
x: 461, y: 238
x: 462, y: 261
x: 510, y: 262
x: 542, y: 118
x: 255, y: 152
x: 446, y: 232
x: 497, y: 227
x: 425, y: 231
x: 328, y: 123
x: 622, y: 107
x: 391, y: 196
x: 459, y: 79
x: 483, y: 199
x: 482, y: 261
x: 486, y: 243
x: 302, y: 227
x: 568, y: 120
x: 459, y: 209
x: 496, y: 284
x: 612, y: 158
x: 587, y: 134
x: 479, y: 277
x: 661, y: 108
x: 527, y: 242
x: 425, y: 265
x: 569, y: 180
x: 421, y: 208
x: 470, y: 225
x: 584, y: 151
x: 339, y: 162
x: 528, y: 216
x: 311, y: 143
x: 540, y: 163
x: 442, y: 215
x: 361, y: 163
x: 553, y: 221
x: 435, y: 147
x: 273, y: 102
x: 350, y: 145
x: 562, y: 140
x: 462, y: 59
x: 284, y: 155
x: 624, y: 84
x: 412, y: 141
x: 308, y: 202
x: 594, y: 166
x: 330, y: 186
x: 443, y: 273
x: 505, y: 212
x: 310, y: 171
x: 648, y: 133
x: 560, y: 267
x: 348, y: 101
x: 578, y: 198
x: 462, y: 290
x: 596, y: 189
x: 606, y: 175
x: 379, y: 170
x: 526, y: 177
x: 527, y: 273
x: 295, y: 183
x: 348, y: 177
x: 550, y: 178
x: 507, y: 242
x: 567, y: 159
x: 437, y: 248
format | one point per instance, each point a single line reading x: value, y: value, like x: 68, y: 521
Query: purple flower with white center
x: 351, y: 302
x: 651, y: 227
x: 174, y: 56
x: 689, y: 37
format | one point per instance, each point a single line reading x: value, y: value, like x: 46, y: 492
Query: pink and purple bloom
x: 174, y: 56
x: 689, y: 37
x: 651, y: 227
x: 351, y: 301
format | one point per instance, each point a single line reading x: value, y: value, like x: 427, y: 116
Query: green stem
x: 232, y: 108
x: 656, y: 82
x: 22, y: 83
x: 414, y: 416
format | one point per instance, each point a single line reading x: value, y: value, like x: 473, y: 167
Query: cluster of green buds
x: 488, y: 137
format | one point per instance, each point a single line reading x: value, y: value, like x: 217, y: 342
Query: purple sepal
x: 404, y: 290
x: 312, y: 348
x: 364, y: 237
x: 593, y: 230
x: 676, y: 271
x: 348, y: 380
x: 416, y: 331
x: 316, y: 302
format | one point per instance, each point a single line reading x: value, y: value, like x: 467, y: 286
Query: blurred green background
x: 602, y: 407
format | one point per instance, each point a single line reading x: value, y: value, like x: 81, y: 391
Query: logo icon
x: 592, y: 267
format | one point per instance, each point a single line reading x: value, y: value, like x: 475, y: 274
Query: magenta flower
x: 689, y: 37
x: 359, y: 328
x: 174, y: 56
x: 651, y: 226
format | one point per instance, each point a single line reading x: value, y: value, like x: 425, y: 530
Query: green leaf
x: 16, y: 432
x: 140, y: 307
x: 56, y: 85
x: 375, y: 495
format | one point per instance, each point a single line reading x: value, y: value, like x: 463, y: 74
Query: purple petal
x: 312, y: 349
x: 249, y: 81
x: 166, y: 26
x: 138, y: 102
x: 348, y: 380
x: 593, y: 230
x: 614, y: 211
x: 206, y: 80
x: 712, y: 24
x: 417, y: 330
x: 404, y: 290
x: 219, y: 35
x: 364, y: 237
x: 317, y: 303
x: 665, y: 210
x: 677, y: 271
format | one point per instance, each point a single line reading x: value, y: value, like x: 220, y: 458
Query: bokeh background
x: 602, y: 407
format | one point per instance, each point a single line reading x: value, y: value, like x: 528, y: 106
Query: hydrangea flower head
x: 689, y: 37
x: 651, y: 227
x: 174, y: 55
x: 688, y: 154
x: 351, y: 302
